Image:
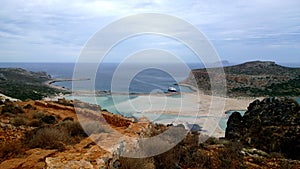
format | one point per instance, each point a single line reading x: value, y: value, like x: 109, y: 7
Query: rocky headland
x: 257, y: 78
x: 22, y: 84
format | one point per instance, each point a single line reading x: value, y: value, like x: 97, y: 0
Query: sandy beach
x: 183, y: 108
x: 176, y: 108
x: 192, y: 108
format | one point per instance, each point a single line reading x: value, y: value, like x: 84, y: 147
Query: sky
x: 239, y: 30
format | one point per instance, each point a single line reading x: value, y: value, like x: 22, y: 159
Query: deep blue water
x: 146, y: 81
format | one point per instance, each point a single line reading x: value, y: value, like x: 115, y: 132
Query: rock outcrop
x: 34, y: 160
x: 272, y: 125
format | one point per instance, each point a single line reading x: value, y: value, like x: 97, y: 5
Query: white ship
x: 172, y: 89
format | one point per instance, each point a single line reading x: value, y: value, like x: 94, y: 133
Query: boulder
x: 272, y: 125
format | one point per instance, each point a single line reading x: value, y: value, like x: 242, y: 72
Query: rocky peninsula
x: 254, y: 79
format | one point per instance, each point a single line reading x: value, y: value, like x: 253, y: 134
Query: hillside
x: 22, y: 84
x: 255, y: 78
x: 46, y: 134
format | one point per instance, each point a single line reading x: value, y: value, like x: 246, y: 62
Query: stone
x: 34, y: 160
x: 57, y: 163
x: 271, y: 125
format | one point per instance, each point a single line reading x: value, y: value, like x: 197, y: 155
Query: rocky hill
x: 255, y: 78
x: 46, y: 134
x: 272, y: 125
x: 22, y: 84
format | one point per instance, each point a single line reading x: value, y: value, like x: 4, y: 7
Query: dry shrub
x: 129, y: 163
x: 47, y: 138
x: 276, y: 155
x: 68, y: 119
x: 212, y: 141
x: 55, y: 137
x: 49, y: 119
x: 19, y: 121
x: 73, y: 128
x: 11, y: 107
x: 35, y: 123
x: 39, y: 115
x: 10, y: 149
x: 231, y: 157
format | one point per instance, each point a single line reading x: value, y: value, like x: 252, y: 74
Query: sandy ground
x: 187, y: 108
x: 191, y: 108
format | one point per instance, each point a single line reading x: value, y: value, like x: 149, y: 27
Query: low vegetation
x: 189, y: 153
x: 22, y: 84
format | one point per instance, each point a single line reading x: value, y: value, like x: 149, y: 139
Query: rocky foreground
x: 40, y: 134
x: 272, y: 125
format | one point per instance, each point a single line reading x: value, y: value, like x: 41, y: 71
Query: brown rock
x: 34, y: 160
x: 12, y: 163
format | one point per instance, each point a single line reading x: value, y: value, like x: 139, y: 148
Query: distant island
x: 257, y: 78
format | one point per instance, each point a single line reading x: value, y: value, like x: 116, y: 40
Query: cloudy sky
x: 56, y: 31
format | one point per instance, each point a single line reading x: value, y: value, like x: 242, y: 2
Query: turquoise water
x: 107, y: 102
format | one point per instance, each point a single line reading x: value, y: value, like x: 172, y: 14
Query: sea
x: 149, y: 81
x: 145, y: 81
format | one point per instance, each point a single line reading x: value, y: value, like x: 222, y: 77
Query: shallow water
x: 108, y: 102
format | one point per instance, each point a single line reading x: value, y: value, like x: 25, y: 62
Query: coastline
x: 190, y: 107
x: 51, y: 82
x: 193, y: 88
x: 196, y: 103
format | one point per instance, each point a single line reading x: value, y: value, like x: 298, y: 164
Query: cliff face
x: 272, y: 125
x: 253, y: 79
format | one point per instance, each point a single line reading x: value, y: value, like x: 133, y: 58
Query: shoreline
x: 51, y: 82
x: 193, y: 104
